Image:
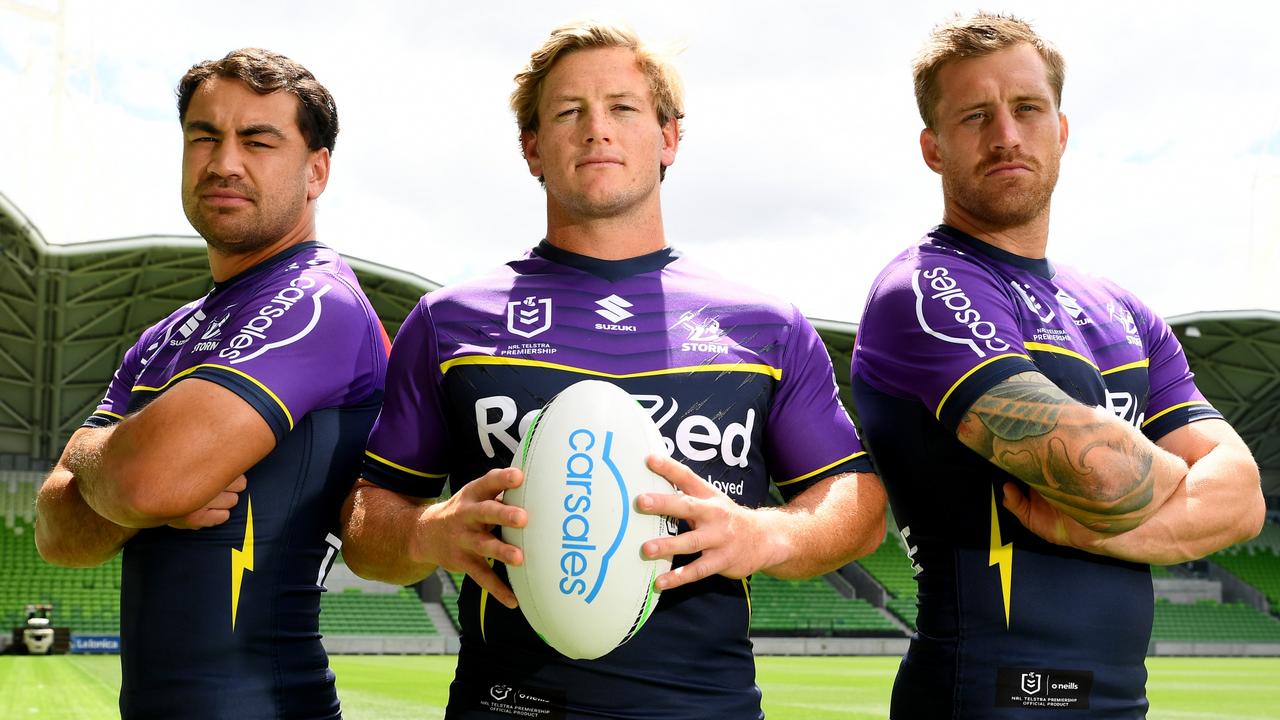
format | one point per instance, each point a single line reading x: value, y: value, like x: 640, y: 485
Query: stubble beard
x: 254, y: 227
x: 1002, y: 207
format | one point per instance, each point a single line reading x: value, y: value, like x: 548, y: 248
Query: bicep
x: 187, y: 445
x: 1193, y: 441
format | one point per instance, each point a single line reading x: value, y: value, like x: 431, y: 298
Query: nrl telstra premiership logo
x: 529, y: 317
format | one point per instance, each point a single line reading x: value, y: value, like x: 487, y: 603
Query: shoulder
x: 696, y: 285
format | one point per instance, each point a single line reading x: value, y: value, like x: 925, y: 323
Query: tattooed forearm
x: 1096, y: 470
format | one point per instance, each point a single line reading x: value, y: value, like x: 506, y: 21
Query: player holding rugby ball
x: 739, y: 384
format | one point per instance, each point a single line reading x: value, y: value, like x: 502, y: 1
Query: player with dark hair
x: 1037, y: 428
x: 233, y: 428
x: 739, y: 384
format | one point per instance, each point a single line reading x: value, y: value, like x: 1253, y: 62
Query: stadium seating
x: 85, y: 599
x: 354, y: 612
x: 1208, y: 621
x: 891, y: 568
x: 812, y: 607
x: 1260, y: 567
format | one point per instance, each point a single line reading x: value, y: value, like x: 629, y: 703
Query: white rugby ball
x: 585, y: 587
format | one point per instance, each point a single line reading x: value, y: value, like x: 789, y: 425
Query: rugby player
x: 1037, y: 428
x: 740, y: 385
x: 234, y: 428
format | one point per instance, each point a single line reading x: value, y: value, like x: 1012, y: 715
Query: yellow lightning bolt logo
x: 1002, y: 555
x: 241, y: 560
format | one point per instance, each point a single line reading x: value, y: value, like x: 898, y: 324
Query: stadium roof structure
x: 69, y: 312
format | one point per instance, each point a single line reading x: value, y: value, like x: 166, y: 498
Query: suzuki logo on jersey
x: 186, y: 329
x: 946, y: 291
x: 529, y: 317
x: 613, y: 309
x: 240, y: 348
x: 696, y: 437
x: 1045, y: 314
x: 704, y: 336
x: 1073, y: 308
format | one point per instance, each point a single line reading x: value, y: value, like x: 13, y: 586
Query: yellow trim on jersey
x: 241, y: 562
x: 1001, y: 554
x: 974, y: 369
x: 1144, y: 362
x: 1166, y: 411
x: 108, y: 413
x: 402, y: 468
x: 1044, y: 347
x: 824, y: 467
x: 746, y: 590
x: 484, y: 601
x: 287, y: 415
x: 773, y: 372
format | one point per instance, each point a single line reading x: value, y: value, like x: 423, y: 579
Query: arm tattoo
x: 1094, y: 470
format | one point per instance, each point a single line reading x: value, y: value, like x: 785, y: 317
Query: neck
x: 629, y: 235
x: 224, y: 266
x: 1028, y: 240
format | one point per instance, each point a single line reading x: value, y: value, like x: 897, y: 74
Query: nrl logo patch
x: 529, y: 317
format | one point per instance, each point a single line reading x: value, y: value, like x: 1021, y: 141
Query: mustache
x: 224, y: 184
x: 1007, y: 157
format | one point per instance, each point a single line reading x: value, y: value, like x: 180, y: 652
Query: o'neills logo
x: 943, y: 289
x: 243, y: 346
x: 583, y: 568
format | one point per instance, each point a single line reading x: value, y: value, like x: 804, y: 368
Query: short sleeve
x: 1175, y: 400
x: 303, y: 342
x: 115, y: 404
x: 939, y: 329
x: 809, y: 434
x: 407, y: 450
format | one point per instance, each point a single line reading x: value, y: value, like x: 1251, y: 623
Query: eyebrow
x: 246, y: 131
x: 610, y: 96
x: 1016, y: 99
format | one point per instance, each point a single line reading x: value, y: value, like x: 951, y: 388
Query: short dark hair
x: 267, y: 72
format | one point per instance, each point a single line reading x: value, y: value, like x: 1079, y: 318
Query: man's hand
x: 217, y: 511
x: 735, y: 541
x: 1047, y: 521
x: 457, y: 534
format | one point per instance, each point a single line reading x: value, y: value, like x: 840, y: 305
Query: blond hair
x: 664, y: 82
x: 977, y: 36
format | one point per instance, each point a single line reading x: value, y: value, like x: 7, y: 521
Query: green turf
x: 397, y: 687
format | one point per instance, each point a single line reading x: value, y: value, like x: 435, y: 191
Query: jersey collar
x: 1041, y: 266
x: 612, y: 270
x: 269, y: 262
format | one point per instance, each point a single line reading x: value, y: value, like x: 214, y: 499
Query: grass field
x: 82, y: 687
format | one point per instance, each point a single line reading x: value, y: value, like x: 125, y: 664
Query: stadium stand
x: 1208, y: 621
x: 354, y: 612
x: 890, y: 567
x: 1260, y: 567
x: 87, y: 600
x: 812, y: 608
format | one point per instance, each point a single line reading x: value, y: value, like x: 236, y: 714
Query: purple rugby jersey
x: 296, y: 338
x: 740, y: 386
x: 1006, y: 621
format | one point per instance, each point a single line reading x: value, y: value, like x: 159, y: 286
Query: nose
x: 226, y: 160
x: 1003, y: 131
x: 599, y: 126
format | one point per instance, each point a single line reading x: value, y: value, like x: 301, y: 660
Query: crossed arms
x: 1096, y: 483
x: 179, y: 461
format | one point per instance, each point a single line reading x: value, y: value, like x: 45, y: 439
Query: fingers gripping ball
x: 584, y: 586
